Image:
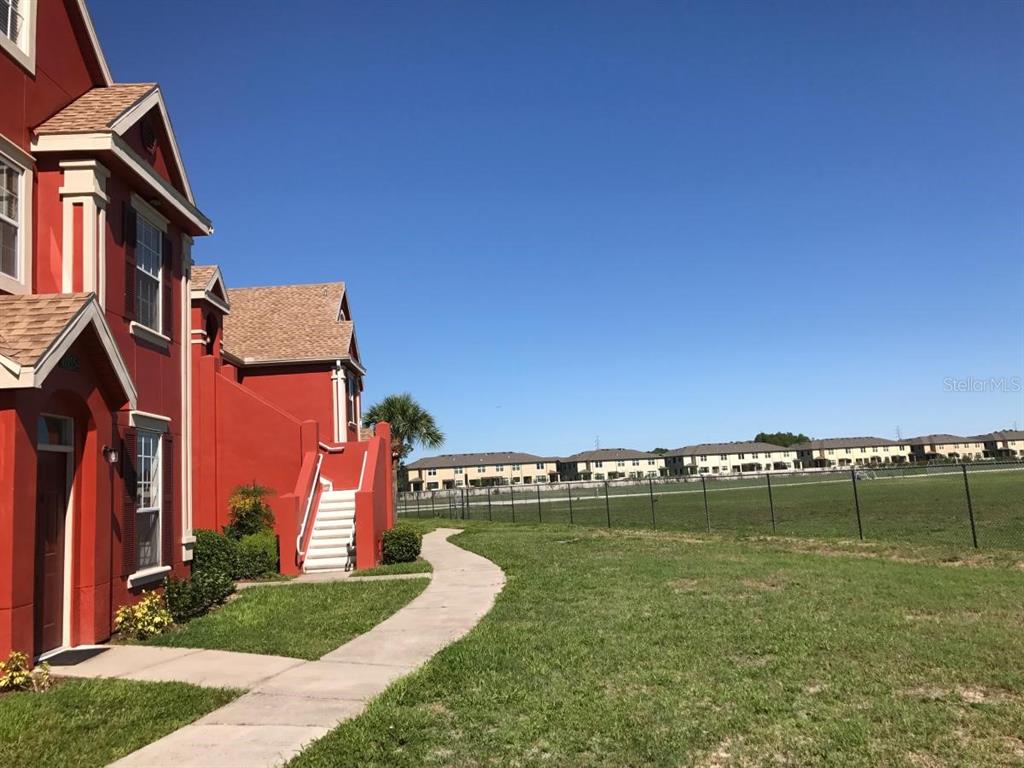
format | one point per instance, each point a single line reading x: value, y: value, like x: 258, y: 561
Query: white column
x: 85, y: 184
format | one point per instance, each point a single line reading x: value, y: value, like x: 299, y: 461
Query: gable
x: 150, y: 139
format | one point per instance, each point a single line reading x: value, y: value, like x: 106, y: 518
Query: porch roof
x: 37, y: 329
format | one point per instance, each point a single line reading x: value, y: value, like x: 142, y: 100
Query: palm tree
x: 411, y: 426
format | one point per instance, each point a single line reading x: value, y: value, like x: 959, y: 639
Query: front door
x: 51, y: 509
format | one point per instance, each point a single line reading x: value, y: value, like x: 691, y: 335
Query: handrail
x: 309, y: 507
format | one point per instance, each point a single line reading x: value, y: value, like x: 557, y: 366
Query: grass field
x: 910, y: 505
x: 89, y: 723
x: 630, y: 648
x: 300, y: 620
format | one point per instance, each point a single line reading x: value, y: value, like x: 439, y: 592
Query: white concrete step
x: 334, y: 539
x: 326, y: 564
x: 337, y: 521
x: 326, y: 553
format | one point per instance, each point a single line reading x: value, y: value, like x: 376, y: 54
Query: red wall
x: 242, y: 438
x: 303, y: 391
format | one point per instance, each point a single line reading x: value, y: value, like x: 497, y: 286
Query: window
x: 481, y: 470
x: 620, y: 463
x: 598, y: 463
x: 147, y: 500
x: 539, y: 465
x: 431, y: 473
x: 636, y: 462
x: 148, y: 259
x: 703, y: 458
x: 722, y: 456
x: 499, y: 468
x: 10, y: 186
x: 458, y: 470
x: 10, y: 20
x: 516, y: 467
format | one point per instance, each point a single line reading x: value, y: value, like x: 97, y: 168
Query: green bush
x: 257, y: 555
x: 16, y: 674
x: 188, y: 598
x: 250, y: 512
x: 145, y: 618
x: 401, y: 545
x: 215, y: 552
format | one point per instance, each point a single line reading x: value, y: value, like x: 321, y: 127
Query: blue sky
x: 650, y: 224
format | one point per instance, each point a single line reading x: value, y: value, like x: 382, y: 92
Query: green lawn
x: 84, y: 723
x: 301, y: 620
x: 909, y: 505
x: 663, y: 649
x: 417, y: 566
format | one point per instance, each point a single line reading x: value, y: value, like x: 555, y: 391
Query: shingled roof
x: 287, y: 323
x: 844, y: 442
x: 202, y: 275
x: 29, y: 325
x: 97, y: 110
x: 941, y: 439
x: 477, y: 460
x: 610, y: 454
x: 704, y: 449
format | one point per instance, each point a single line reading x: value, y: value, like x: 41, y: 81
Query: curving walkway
x: 290, y: 708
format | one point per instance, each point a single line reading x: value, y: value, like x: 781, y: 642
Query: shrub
x: 146, y: 618
x: 16, y: 674
x: 257, y: 555
x: 250, y: 512
x: 215, y: 552
x: 401, y: 545
x: 188, y: 598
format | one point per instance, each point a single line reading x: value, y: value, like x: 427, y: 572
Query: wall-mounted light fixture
x: 110, y: 454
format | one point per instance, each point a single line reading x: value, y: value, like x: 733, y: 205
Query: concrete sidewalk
x: 291, y: 707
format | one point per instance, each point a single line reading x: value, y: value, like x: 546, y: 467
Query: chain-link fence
x: 966, y: 505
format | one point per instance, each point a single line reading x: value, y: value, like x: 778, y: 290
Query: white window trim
x: 152, y: 422
x: 148, y: 575
x: 25, y: 52
x: 151, y: 214
x: 145, y: 332
x: 11, y: 155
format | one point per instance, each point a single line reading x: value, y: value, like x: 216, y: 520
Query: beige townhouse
x: 946, y: 447
x: 729, y: 458
x: 610, y: 464
x: 461, y: 470
x: 1006, y: 444
x: 833, y: 452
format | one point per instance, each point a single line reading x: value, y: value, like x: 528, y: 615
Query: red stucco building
x: 136, y: 388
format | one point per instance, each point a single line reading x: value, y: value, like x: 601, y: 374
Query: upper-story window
x: 17, y: 36
x: 539, y: 465
x: 148, y: 260
x: 10, y: 188
x: 12, y: 21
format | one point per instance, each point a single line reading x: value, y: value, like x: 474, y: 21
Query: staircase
x: 334, y: 530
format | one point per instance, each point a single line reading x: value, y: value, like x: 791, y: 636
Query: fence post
x: 512, y: 496
x: 856, y: 504
x: 568, y: 489
x: 465, y: 502
x: 417, y: 505
x: 771, y: 501
x: 707, y: 512
x: 970, y: 507
x: 540, y: 516
x: 432, y: 495
x: 489, y: 515
x: 607, y: 505
x: 650, y: 487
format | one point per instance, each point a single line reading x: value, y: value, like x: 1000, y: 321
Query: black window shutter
x: 129, y: 477
x: 168, y: 288
x: 167, y: 501
x: 128, y: 229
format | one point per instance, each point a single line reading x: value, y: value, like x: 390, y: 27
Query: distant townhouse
x: 1007, y: 444
x: 946, y: 447
x: 610, y: 464
x: 460, y: 470
x: 729, y: 458
x: 850, y: 451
